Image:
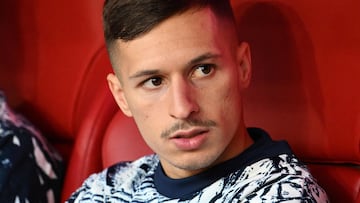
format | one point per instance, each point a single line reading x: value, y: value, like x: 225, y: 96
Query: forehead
x: 176, y: 40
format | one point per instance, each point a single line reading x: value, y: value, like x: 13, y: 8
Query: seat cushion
x: 122, y: 141
x: 341, y: 182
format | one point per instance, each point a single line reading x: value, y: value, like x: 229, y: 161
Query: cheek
x: 228, y: 93
x: 149, y: 111
x: 229, y: 102
x: 144, y: 121
x: 140, y: 114
x: 230, y: 105
x: 150, y: 121
x: 148, y: 130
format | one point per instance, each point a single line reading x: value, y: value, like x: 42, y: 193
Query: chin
x: 196, y: 163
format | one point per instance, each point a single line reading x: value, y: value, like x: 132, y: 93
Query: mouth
x: 189, y: 140
x: 187, y: 133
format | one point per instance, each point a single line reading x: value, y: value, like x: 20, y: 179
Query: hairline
x: 113, y: 47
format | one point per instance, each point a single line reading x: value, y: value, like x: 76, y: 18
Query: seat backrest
x: 303, y: 87
x: 53, y: 67
x: 47, y: 50
x: 86, y: 154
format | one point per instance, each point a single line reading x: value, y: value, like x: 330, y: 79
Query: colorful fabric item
x: 266, y: 172
x: 30, y: 169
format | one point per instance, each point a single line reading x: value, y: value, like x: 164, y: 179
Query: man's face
x: 181, y: 82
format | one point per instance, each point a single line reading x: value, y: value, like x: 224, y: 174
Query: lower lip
x: 189, y: 144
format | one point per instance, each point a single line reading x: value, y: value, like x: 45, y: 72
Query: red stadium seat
x: 53, y: 66
x: 305, y: 76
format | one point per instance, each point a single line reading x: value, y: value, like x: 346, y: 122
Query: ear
x: 118, y: 93
x: 244, y: 63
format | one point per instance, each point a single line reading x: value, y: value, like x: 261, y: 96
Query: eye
x: 152, y: 83
x: 203, y: 70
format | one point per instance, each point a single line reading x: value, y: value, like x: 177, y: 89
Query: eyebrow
x: 202, y: 58
x: 143, y: 73
x: 192, y: 62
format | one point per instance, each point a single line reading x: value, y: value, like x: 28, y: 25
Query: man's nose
x: 183, y: 101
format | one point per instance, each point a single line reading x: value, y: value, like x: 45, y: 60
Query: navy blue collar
x: 263, y: 147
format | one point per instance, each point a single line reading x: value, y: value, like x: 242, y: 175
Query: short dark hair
x: 128, y: 19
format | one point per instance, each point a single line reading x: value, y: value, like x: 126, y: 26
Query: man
x: 180, y: 72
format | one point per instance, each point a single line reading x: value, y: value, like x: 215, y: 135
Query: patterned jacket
x: 266, y: 172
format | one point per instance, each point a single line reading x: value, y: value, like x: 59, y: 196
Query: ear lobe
x: 118, y: 94
x: 244, y: 62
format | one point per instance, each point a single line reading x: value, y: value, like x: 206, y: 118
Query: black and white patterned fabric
x: 30, y: 170
x: 266, y: 172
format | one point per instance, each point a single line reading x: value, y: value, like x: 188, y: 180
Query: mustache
x: 186, y: 125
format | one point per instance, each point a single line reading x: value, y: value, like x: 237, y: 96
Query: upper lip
x: 188, y: 133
